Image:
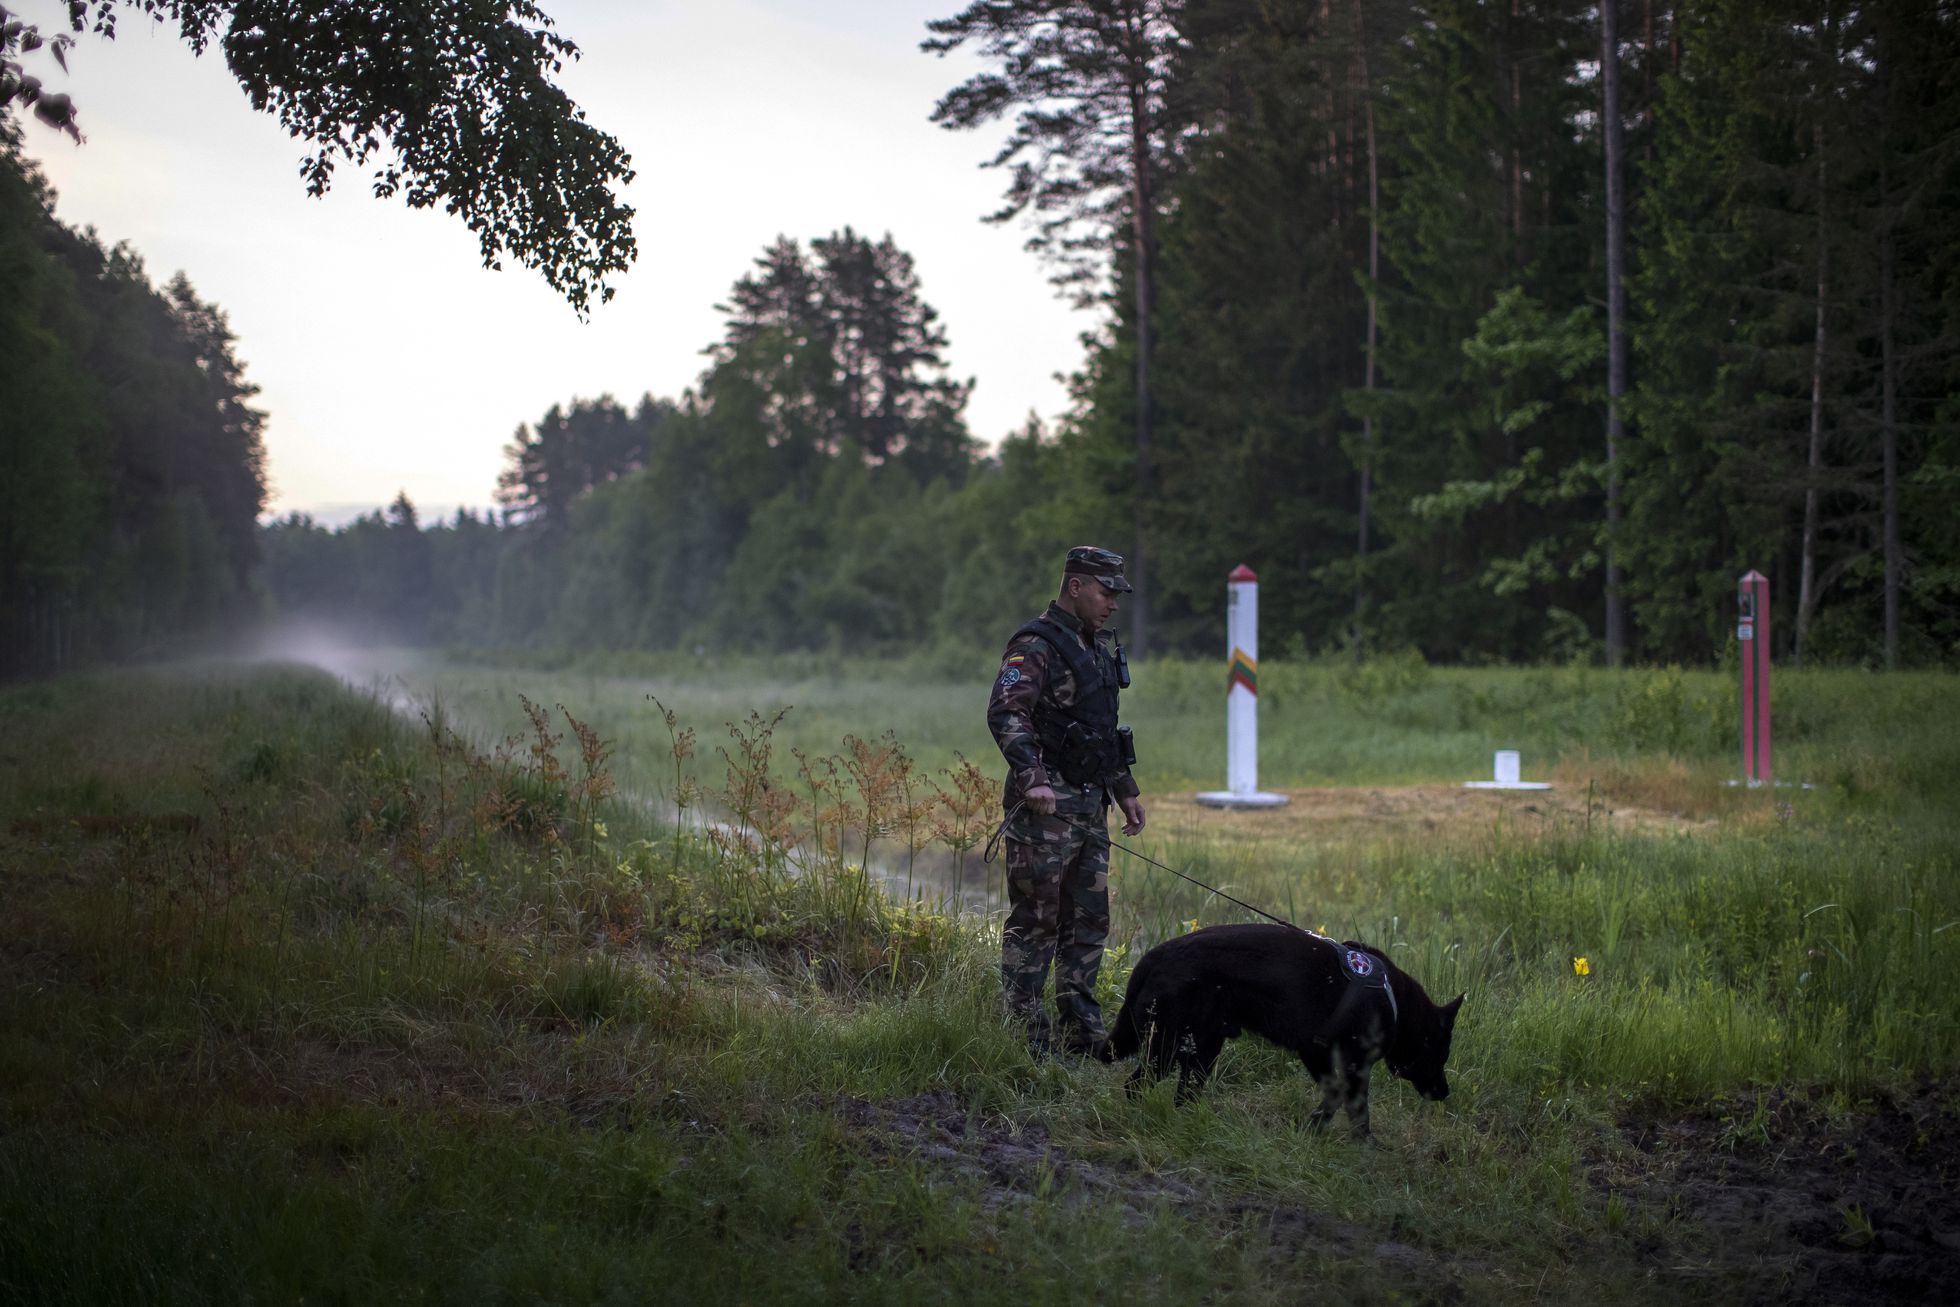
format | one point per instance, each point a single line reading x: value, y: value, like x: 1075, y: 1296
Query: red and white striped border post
x: 1752, y: 640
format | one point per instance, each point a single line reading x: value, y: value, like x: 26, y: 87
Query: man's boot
x: 1080, y: 1030
x: 1024, y: 1008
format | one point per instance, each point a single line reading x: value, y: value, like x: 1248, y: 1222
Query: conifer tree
x: 1262, y: 307
x: 1088, y: 82
x: 569, y: 451
x: 1488, y: 174
x: 837, y: 350
x: 132, y: 458
x: 1613, y: 137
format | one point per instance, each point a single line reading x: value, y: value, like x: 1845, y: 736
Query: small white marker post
x: 1504, y: 769
x: 1241, y: 699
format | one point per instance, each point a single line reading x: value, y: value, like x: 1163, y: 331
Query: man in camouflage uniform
x: 1053, y: 713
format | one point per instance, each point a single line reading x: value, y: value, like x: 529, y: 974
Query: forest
x: 1352, y: 320
x: 131, y: 459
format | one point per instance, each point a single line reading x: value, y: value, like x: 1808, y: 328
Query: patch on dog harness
x: 1359, y: 963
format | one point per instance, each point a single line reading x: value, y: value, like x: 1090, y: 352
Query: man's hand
x: 1132, y: 814
x: 1040, y: 798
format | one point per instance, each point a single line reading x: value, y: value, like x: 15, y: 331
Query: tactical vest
x: 1079, y: 741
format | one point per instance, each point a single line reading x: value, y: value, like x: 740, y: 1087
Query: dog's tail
x: 1124, y: 1038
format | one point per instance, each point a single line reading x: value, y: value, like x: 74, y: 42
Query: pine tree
x: 1613, y: 136
x: 837, y: 351
x: 1088, y: 82
x: 547, y: 467
x: 1488, y: 176
x: 1762, y: 408
x: 1262, y: 310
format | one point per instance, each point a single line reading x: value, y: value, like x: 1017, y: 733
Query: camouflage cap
x: 1105, y: 566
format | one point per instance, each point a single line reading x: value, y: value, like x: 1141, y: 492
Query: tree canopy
x: 1381, y: 378
x: 449, y: 102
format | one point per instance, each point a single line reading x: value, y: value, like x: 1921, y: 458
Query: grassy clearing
x: 1654, y: 733
x: 298, y: 998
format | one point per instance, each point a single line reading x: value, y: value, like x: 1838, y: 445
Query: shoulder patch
x: 1010, y: 676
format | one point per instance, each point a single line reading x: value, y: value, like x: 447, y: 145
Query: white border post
x: 1241, y: 698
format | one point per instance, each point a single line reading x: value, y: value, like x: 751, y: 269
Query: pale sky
x: 390, y: 359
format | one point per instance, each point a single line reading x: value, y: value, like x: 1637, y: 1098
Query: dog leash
x: 993, y: 849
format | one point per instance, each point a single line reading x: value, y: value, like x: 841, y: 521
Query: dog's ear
x: 1450, y: 1009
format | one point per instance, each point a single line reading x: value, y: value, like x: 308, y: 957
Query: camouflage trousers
x: 1057, y: 913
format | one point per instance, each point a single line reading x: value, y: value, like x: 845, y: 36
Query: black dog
x: 1341, y: 1007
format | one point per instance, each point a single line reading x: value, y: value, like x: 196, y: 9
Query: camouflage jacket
x: 1030, y: 671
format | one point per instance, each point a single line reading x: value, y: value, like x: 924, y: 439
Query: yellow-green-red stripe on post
x: 1244, y: 670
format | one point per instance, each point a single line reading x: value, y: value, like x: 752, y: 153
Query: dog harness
x: 1365, y: 974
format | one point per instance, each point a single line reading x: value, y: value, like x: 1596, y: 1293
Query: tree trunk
x: 1333, y: 137
x: 1517, y: 125
x: 1806, y: 575
x: 1368, y: 383
x: 1647, y: 79
x: 1813, y: 464
x: 1894, y: 554
x: 1616, y: 301
x: 1888, y: 366
x: 1139, y: 563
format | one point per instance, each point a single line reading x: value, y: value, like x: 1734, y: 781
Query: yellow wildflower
x: 1581, y: 967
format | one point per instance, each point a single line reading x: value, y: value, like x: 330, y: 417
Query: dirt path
x: 1419, y: 811
x: 1360, y: 814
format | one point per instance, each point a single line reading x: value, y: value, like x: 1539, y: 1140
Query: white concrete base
x: 1230, y: 799
x: 1504, y: 768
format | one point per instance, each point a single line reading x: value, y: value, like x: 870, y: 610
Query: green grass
x: 1891, y: 738
x: 404, y: 1015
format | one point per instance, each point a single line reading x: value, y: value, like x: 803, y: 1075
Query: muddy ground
x: 1783, y: 1201
x: 1015, y: 1163
x: 1800, y: 1203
